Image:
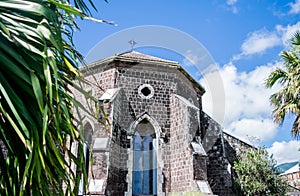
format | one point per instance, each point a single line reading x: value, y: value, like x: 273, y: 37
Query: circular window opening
x: 146, y: 91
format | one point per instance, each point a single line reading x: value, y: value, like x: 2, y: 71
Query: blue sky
x: 243, y: 37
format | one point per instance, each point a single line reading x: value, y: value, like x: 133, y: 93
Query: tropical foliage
x: 287, y: 99
x: 38, y: 64
x: 256, y: 174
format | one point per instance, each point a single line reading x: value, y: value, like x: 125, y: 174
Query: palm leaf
x: 37, y: 68
x: 287, y: 99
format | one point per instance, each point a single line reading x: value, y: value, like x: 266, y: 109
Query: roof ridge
x: 126, y: 52
x: 138, y: 55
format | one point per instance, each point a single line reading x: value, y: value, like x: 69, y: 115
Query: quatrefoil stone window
x: 146, y: 91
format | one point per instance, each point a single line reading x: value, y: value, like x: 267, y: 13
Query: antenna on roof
x: 132, y: 43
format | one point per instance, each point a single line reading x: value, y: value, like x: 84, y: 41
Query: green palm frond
x: 296, y: 127
x: 37, y: 68
x: 296, y: 38
x: 278, y: 75
x: 287, y: 99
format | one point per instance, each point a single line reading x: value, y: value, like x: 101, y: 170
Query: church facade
x: 156, y: 139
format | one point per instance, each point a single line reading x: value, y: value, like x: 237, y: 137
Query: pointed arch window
x: 88, y: 131
x: 144, y: 176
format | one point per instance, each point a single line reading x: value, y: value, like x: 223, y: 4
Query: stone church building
x: 156, y: 139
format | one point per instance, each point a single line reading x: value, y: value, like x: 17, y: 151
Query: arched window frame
x: 157, y: 145
x: 88, y: 130
x: 144, y: 160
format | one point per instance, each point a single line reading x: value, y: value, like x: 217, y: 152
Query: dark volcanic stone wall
x: 129, y: 79
x: 181, y: 159
x: 116, y: 183
x: 217, y: 165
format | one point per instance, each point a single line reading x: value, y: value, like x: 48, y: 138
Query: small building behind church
x: 292, y: 175
x: 156, y: 140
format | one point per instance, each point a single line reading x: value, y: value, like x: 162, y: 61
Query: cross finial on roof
x: 132, y: 43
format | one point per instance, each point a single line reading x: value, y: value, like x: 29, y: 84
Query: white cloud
x: 285, y: 151
x: 253, y: 130
x: 246, y: 100
x: 231, y: 2
x: 295, y: 7
x: 247, y: 108
x: 232, y: 7
x: 258, y: 42
x: 287, y: 32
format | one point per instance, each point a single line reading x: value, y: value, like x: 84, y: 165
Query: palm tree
x: 38, y: 66
x: 287, y: 99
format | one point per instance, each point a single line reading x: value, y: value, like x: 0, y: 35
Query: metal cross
x: 132, y: 43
